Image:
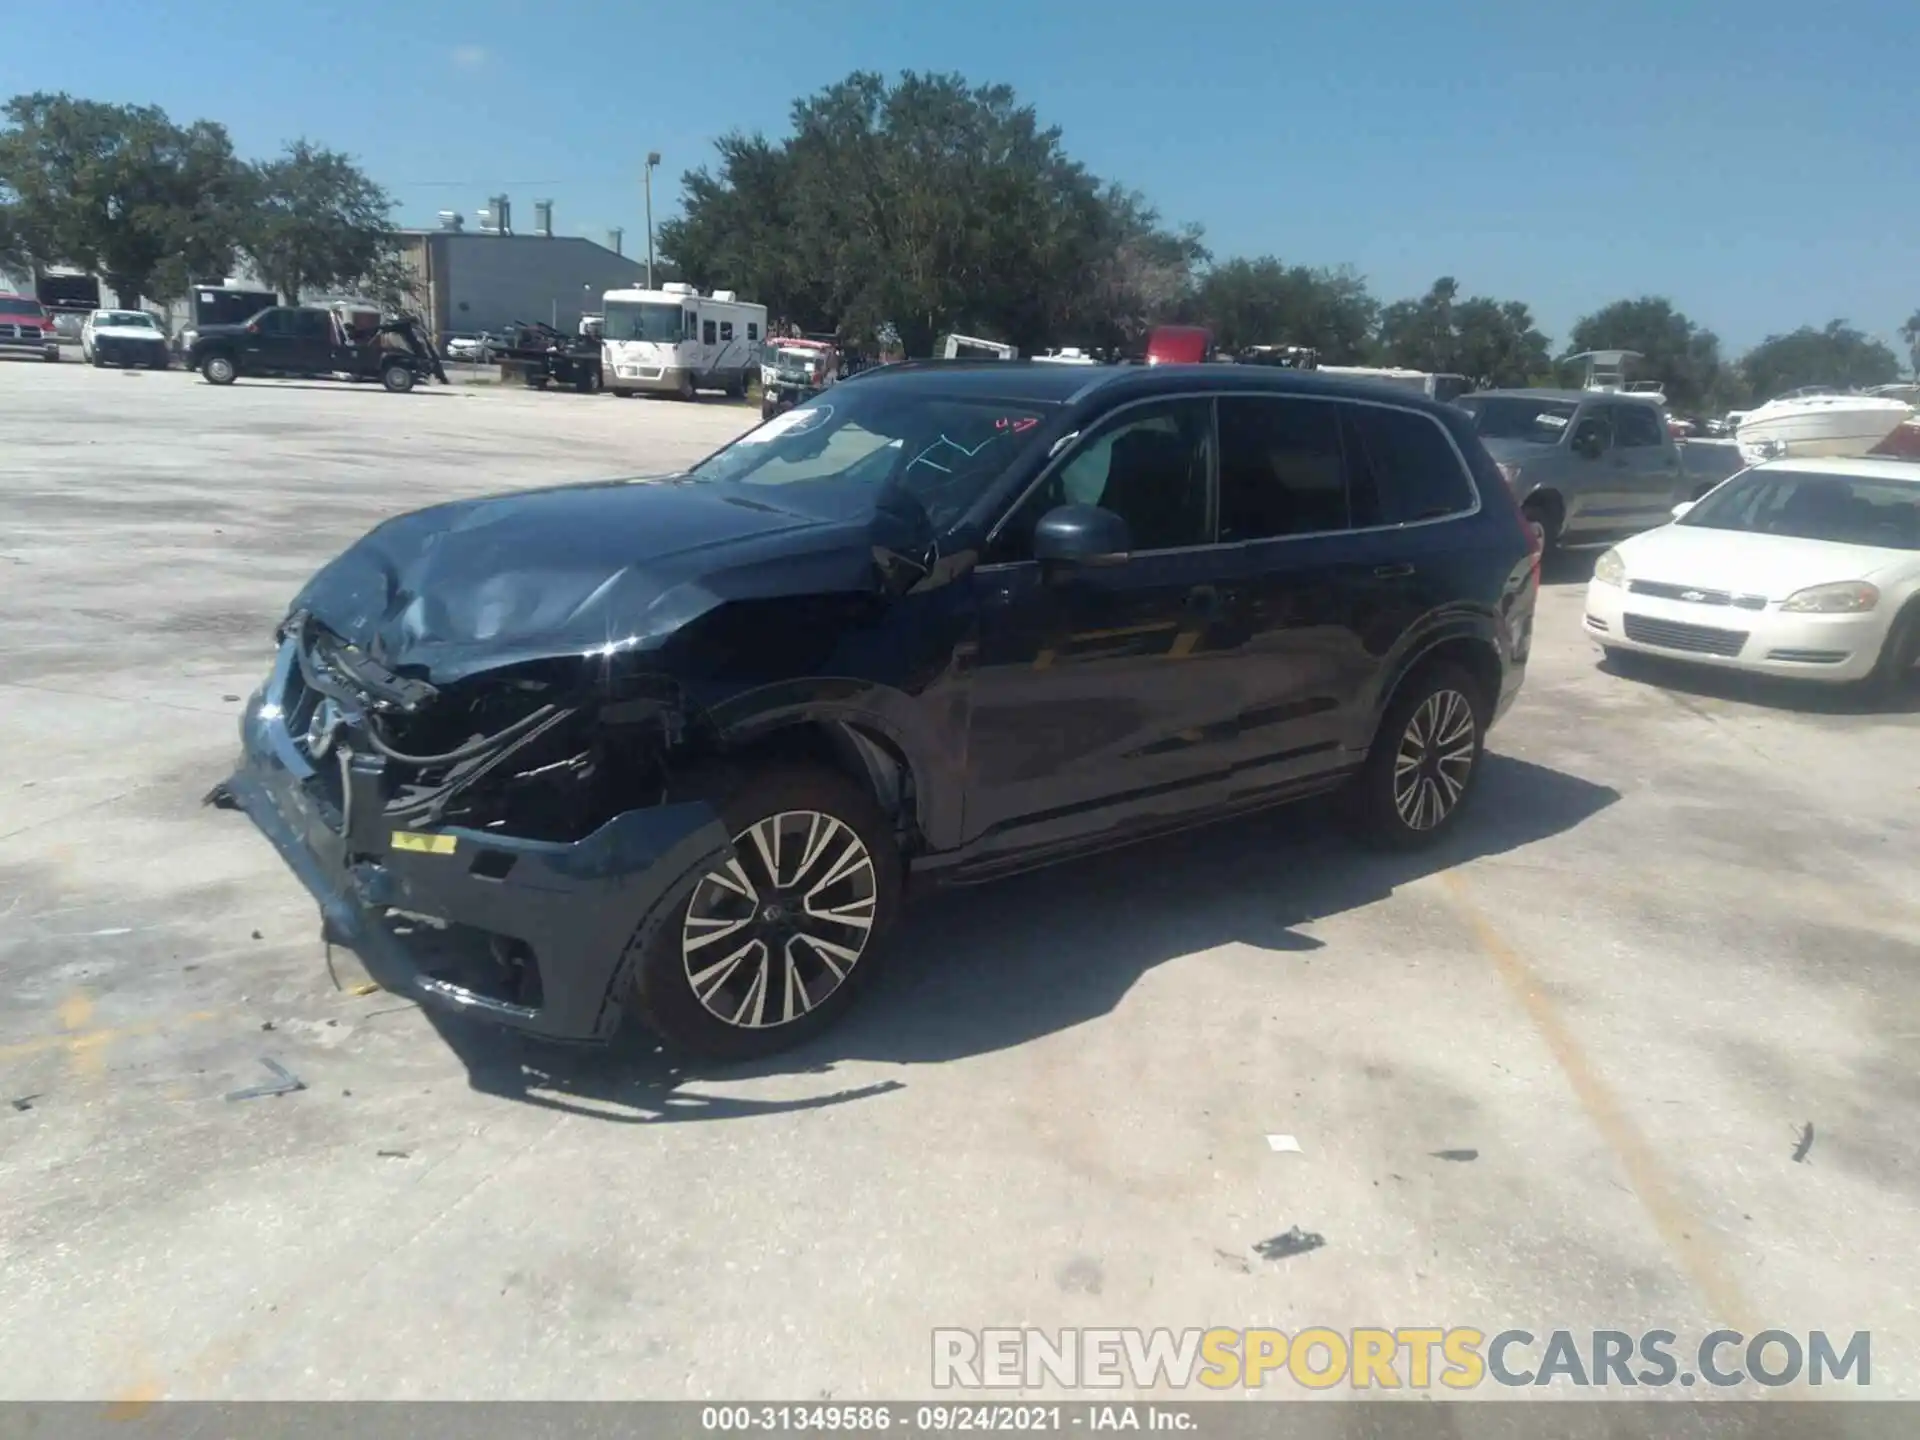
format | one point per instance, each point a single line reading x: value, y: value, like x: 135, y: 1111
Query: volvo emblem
x: 320, y: 730
x: 1691, y: 595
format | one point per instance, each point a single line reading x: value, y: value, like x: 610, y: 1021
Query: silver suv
x: 1586, y: 466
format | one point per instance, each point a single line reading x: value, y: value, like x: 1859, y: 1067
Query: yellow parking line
x: 1658, y: 1192
x: 83, y: 1045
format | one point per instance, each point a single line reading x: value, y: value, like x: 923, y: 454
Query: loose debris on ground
x: 1294, y: 1242
x: 285, y: 1083
x: 1803, y: 1145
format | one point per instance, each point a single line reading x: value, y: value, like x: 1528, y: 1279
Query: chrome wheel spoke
x: 707, y: 982
x: 1436, y: 755
x: 793, y: 909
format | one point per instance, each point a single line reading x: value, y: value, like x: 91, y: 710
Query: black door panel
x: 1096, y: 689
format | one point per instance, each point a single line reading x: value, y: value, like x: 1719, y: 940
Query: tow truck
x: 316, y: 342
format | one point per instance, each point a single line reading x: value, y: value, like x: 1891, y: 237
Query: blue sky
x: 1755, y: 162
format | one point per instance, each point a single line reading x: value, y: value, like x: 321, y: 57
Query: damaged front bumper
x: 531, y: 934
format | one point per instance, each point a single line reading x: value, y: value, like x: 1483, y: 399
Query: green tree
x: 1682, y: 356
x: 1837, y: 355
x: 1491, y: 342
x: 1910, y: 332
x: 120, y: 189
x: 925, y: 204
x: 1265, y: 301
x: 316, y: 221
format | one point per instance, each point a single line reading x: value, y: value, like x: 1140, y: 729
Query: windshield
x: 9, y: 305
x: 1518, y: 417
x: 139, y: 319
x: 942, y: 450
x: 1807, y: 505
x: 795, y: 359
x: 642, y: 320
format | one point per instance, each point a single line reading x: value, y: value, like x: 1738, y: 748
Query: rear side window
x: 1404, y: 467
x: 1281, y: 469
x: 726, y: 330
x: 706, y: 332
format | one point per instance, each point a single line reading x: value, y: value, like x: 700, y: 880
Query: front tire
x: 1546, y: 514
x: 218, y: 370
x: 766, y: 951
x: 1420, y: 772
x: 1899, y: 653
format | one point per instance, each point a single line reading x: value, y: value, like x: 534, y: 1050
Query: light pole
x: 653, y: 159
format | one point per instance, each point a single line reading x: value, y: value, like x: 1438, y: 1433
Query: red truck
x: 1180, y: 345
x: 26, y: 328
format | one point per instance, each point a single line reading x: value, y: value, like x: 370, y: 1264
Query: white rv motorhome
x: 674, y: 341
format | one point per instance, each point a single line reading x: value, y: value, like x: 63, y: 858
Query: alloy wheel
x: 1435, y: 757
x: 775, y: 931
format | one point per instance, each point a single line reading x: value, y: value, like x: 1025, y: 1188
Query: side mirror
x: 1081, y: 535
x: 1680, y: 510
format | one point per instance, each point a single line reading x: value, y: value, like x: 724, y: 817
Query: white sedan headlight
x: 1849, y: 597
x: 1610, y: 569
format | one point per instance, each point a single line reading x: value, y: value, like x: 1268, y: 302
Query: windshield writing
x: 1843, y: 509
x: 942, y: 451
x: 1516, y: 417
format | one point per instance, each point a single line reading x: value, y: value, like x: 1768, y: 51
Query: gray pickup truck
x: 1587, y: 466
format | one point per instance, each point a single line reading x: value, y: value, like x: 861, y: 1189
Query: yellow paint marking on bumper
x: 424, y: 844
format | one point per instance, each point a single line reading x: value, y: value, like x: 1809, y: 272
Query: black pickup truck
x: 316, y: 343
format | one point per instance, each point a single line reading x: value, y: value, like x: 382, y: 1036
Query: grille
x: 1694, y: 639
x: 1696, y: 595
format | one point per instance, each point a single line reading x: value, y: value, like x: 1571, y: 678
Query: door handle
x: 1392, y: 572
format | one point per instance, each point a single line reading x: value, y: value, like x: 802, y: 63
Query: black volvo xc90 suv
x: 678, y: 746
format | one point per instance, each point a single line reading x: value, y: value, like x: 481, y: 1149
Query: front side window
x: 1282, y: 471
x: 275, y: 322
x: 643, y: 320
x: 1635, y: 426
x: 1148, y: 465
x: 753, y: 330
x: 1403, y: 468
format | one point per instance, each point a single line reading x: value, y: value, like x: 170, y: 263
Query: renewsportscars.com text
x: 1406, y: 1357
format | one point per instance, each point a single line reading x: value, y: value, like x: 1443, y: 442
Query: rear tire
x: 763, y: 953
x: 397, y: 378
x: 1420, y: 773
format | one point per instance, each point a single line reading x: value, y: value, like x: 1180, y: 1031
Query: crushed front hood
x: 476, y: 584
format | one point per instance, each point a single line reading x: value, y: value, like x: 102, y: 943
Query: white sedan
x: 1807, y: 568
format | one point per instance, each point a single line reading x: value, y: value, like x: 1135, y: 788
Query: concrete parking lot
x: 1553, y: 1075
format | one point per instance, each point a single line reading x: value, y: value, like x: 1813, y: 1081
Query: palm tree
x: 1910, y: 332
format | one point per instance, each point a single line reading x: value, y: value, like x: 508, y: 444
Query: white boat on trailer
x: 1817, y: 422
